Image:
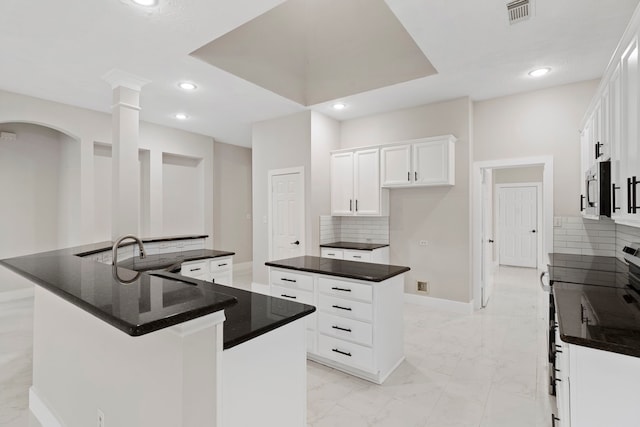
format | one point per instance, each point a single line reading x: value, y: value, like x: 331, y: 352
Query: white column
x: 126, y: 167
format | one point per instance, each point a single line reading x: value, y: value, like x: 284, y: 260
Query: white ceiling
x: 59, y: 50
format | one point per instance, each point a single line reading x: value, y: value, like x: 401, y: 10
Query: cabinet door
x: 433, y: 163
x: 596, y: 136
x: 586, y: 156
x: 629, y: 155
x: 396, y: 165
x: 614, y: 130
x: 342, y: 184
x: 331, y: 253
x: 367, y: 182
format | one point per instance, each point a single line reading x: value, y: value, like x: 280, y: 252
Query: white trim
x: 439, y: 303
x: 16, y: 295
x: 539, y: 225
x: 476, y: 211
x: 118, y: 78
x: 270, y: 175
x: 41, y: 410
x: 196, y: 325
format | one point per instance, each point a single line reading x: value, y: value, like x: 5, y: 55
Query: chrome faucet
x: 114, y: 251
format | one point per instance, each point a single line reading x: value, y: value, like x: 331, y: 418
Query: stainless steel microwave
x: 598, y: 190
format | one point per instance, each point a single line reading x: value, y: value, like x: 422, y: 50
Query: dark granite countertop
x: 355, y: 246
x: 605, y: 318
x: 341, y: 268
x: 170, y: 261
x: 142, y: 302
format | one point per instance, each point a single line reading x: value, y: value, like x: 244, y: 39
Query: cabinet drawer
x: 351, y: 255
x: 195, y: 269
x: 331, y: 253
x: 222, y: 278
x: 345, y: 352
x: 347, y: 329
x: 287, y: 278
x: 346, y: 308
x: 292, y: 294
x: 220, y: 264
x: 343, y: 289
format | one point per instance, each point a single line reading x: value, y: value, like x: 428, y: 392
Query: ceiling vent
x: 519, y: 10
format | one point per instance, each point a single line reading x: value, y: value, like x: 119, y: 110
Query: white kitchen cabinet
x: 376, y: 256
x: 421, y: 162
x: 562, y: 415
x: 614, y: 97
x: 355, y: 184
x: 359, y: 324
x: 218, y: 270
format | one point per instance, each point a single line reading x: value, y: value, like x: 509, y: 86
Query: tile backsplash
x: 577, y: 235
x: 354, y: 229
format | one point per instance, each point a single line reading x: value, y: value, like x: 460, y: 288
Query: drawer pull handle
x: 288, y: 280
x: 357, y: 256
x: 341, y: 289
x: 341, y: 329
x: 195, y: 269
x: 341, y: 352
x: 288, y: 296
x: 331, y: 254
x: 341, y: 308
x: 222, y: 265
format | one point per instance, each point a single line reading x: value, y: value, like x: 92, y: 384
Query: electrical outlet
x: 423, y: 243
x: 100, y: 419
x: 423, y: 286
x: 557, y: 221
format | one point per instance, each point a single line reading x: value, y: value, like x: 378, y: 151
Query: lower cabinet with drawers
x: 358, y: 325
x: 376, y: 256
x: 218, y: 270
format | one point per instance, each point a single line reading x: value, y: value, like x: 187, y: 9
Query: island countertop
x: 336, y: 267
x: 355, y: 246
x: 138, y: 302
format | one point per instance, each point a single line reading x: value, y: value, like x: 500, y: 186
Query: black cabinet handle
x: 553, y: 420
x: 341, y: 329
x: 331, y: 254
x: 222, y: 265
x: 356, y: 205
x: 629, y: 195
x: 341, y: 308
x: 350, y: 205
x: 288, y: 296
x: 335, y: 288
x: 195, y: 269
x: 613, y: 197
x: 598, y: 145
x: 581, y: 203
x: 284, y: 279
x: 415, y: 176
x: 634, y: 184
x: 408, y: 176
x: 357, y: 256
x: 341, y: 352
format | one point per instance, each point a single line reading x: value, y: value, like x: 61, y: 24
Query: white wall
x: 87, y: 127
x: 232, y: 206
x: 538, y: 123
x: 182, y: 204
x: 439, y: 215
x: 517, y: 175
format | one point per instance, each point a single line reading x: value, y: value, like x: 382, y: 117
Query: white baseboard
x: 440, y: 303
x: 17, y: 294
x: 41, y: 411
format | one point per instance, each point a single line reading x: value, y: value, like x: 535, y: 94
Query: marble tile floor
x: 486, y: 369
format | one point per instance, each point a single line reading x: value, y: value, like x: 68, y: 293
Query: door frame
x: 476, y: 215
x: 288, y: 171
x: 539, y: 225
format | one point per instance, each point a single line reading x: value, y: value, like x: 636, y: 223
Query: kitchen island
x: 359, y: 325
x: 154, y: 348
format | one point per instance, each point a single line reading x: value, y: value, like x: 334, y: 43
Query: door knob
x: 490, y: 241
x: 533, y: 231
x: 297, y: 242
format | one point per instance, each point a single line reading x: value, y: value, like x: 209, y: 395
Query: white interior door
x: 517, y: 222
x: 487, y: 236
x: 287, y: 215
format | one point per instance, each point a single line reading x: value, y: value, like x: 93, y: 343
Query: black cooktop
x: 588, y: 270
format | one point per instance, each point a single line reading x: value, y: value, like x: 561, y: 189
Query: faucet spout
x: 114, y: 250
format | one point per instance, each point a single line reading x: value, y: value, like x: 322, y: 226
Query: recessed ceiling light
x: 145, y: 2
x: 339, y: 106
x: 181, y: 116
x: 539, y: 72
x: 187, y: 86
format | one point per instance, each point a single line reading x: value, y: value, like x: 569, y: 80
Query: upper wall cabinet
x: 611, y: 129
x: 422, y: 162
x: 355, y: 184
